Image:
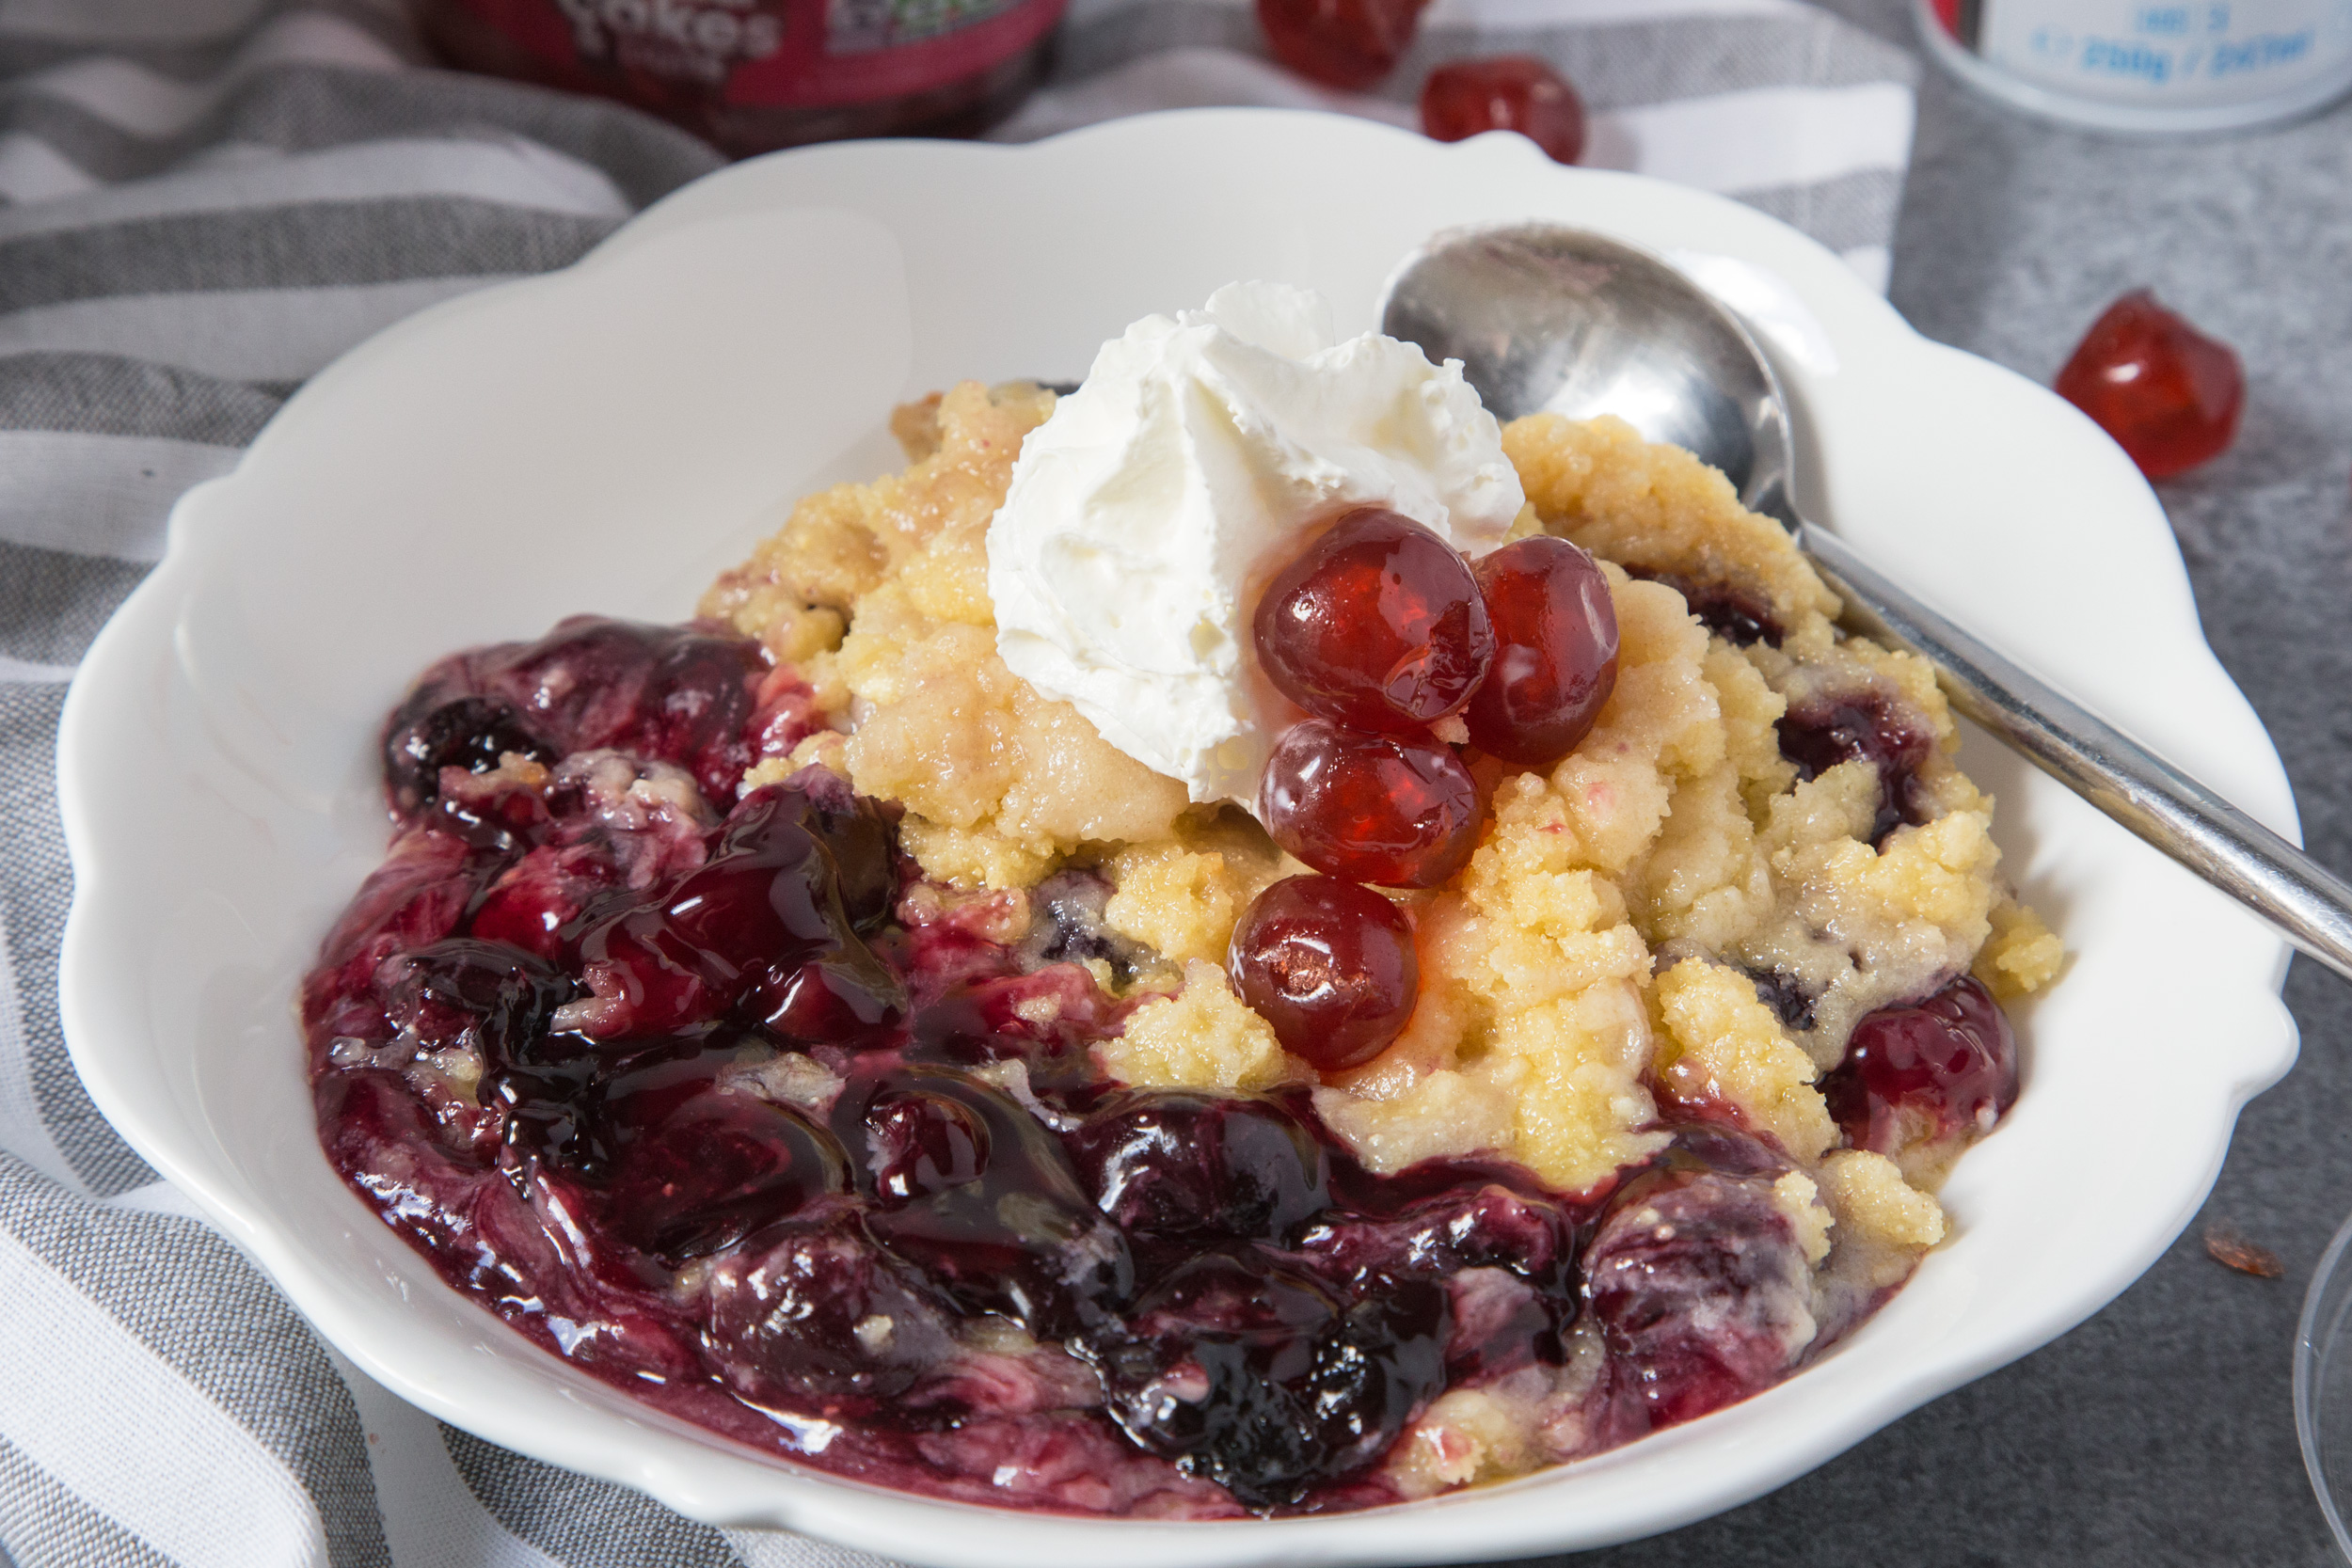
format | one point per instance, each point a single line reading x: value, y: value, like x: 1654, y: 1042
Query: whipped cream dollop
x: 1146, y: 513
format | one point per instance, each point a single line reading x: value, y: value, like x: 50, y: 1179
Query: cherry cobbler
x: 804, y: 1022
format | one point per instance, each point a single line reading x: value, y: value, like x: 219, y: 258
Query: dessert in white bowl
x: 279, y: 831
x: 1117, y: 970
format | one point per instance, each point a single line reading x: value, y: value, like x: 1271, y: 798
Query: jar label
x: 774, y: 54
x: 2157, y: 52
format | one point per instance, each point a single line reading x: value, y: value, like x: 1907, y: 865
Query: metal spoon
x: 1545, y: 317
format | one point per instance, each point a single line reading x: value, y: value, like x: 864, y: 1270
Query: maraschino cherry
x: 1372, y: 808
x: 1348, y: 44
x: 2170, y: 395
x: 1331, y: 965
x: 1377, y: 625
x: 1555, y: 651
x: 1506, y: 92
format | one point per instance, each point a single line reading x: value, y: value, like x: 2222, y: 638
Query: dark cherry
x: 1555, y: 651
x: 1872, y: 726
x: 1700, y: 1287
x: 861, y: 835
x: 1926, y: 1071
x: 415, y: 899
x: 1790, y: 1000
x: 743, y: 929
x: 1348, y: 44
x: 671, y: 1163
x: 1265, y: 1378
x: 464, y: 992
x: 1509, y: 1259
x: 1046, y: 1020
x: 923, y: 1143
x: 713, y: 1171
x: 1187, y: 1166
x: 1371, y: 808
x: 1068, y: 925
x: 1018, y: 1234
x: 1377, y: 625
x: 785, y: 1309
x: 842, y: 996
x: 2170, y: 395
x: 1506, y: 92
x: 1331, y: 964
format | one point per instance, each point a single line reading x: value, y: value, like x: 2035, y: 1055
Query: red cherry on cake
x: 1555, y: 659
x: 2170, y: 395
x: 1377, y: 625
x: 1348, y: 44
x: 1507, y: 92
x: 1371, y: 808
x: 1331, y: 965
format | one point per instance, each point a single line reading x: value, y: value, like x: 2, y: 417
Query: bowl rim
x: 732, y: 1489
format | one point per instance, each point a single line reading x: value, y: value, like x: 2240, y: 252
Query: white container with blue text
x: 2149, y: 67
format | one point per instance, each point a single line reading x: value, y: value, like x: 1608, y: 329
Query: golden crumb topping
x: 1676, y: 912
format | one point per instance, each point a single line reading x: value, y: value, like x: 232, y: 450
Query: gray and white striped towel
x: 201, y: 203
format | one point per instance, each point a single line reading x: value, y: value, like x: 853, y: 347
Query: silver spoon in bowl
x: 1545, y: 317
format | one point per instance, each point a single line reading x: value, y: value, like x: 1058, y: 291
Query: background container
x: 752, y: 75
x: 2147, y: 67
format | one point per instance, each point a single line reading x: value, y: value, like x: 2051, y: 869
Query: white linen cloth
x: 204, y: 202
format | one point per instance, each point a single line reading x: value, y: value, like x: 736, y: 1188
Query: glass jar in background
x: 2149, y: 67
x: 752, y: 75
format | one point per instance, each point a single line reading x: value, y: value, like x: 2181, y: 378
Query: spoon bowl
x: 1545, y: 318
x: 1548, y: 319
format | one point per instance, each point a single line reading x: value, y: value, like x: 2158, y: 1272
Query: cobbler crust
x: 1675, y: 912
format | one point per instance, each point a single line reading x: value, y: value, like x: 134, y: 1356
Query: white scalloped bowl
x: 606, y: 438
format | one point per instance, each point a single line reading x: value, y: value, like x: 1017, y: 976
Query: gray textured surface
x: 2162, y: 1431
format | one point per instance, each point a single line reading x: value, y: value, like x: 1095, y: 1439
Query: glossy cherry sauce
x: 690, y: 1091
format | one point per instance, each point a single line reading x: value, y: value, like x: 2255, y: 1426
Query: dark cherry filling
x: 1258, y: 1374
x: 1787, y: 995
x: 681, y: 693
x: 694, y: 1096
x: 1731, y: 614
x: 1698, y: 1281
x: 1820, y: 732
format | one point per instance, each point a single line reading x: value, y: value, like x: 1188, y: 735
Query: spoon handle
x: 2308, y: 905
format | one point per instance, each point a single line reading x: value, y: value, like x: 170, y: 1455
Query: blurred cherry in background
x: 2170, y: 395
x: 1506, y: 92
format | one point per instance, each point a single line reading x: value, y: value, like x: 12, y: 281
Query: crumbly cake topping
x: 1677, y: 907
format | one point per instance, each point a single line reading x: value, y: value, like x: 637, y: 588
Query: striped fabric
x: 201, y: 203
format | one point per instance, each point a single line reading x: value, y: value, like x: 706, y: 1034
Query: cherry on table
x: 1505, y: 92
x: 1331, y: 965
x: 1370, y: 808
x: 1377, y: 625
x: 1348, y: 44
x: 2170, y: 395
x: 1555, y: 651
